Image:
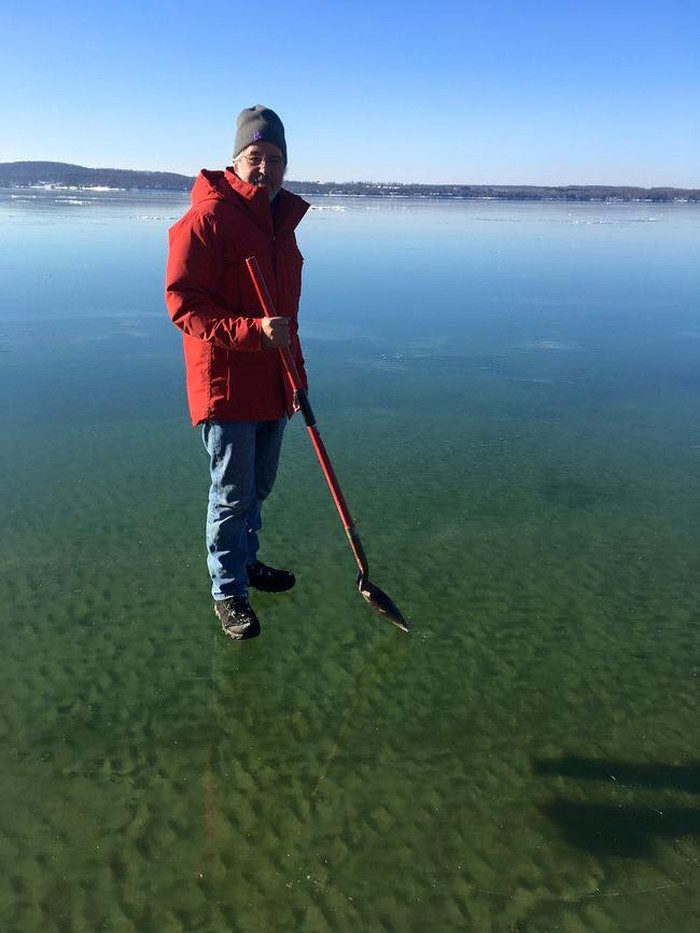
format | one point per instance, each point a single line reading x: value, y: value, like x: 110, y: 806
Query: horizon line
x: 384, y: 182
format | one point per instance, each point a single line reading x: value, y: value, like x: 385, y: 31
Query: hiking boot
x: 262, y: 577
x: 237, y: 617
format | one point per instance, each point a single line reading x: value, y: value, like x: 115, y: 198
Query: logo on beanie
x: 257, y: 135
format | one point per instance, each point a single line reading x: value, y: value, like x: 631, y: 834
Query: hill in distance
x: 65, y: 175
x: 62, y: 174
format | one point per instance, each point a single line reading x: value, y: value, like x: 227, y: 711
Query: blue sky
x: 478, y: 91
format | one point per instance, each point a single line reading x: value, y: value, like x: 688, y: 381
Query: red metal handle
x: 268, y: 307
x: 295, y: 381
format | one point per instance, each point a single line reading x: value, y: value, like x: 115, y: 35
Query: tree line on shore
x: 61, y: 174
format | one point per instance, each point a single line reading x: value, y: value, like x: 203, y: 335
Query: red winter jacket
x: 210, y: 296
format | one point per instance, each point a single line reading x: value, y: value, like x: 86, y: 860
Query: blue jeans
x: 243, y: 458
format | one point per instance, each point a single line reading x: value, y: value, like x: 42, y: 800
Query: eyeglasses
x: 257, y: 160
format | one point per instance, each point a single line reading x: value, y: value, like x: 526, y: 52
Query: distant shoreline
x: 64, y: 176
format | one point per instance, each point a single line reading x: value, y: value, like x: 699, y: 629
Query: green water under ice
x: 510, y: 397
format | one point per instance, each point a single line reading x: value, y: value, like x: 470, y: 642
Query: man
x: 235, y: 384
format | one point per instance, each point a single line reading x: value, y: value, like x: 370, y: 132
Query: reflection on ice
x: 543, y: 344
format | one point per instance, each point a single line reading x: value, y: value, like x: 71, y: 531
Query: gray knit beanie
x: 259, y: 124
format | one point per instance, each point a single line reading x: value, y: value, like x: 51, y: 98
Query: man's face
x: 262, y: 164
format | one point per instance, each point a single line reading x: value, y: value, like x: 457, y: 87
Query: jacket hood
x: 227, y: 186
x: 219, y: 186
